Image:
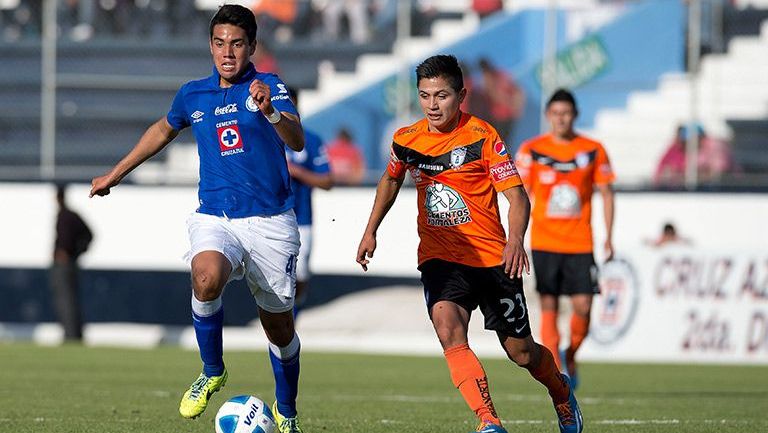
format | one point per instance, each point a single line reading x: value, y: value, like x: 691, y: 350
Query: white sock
x: 288, y: 351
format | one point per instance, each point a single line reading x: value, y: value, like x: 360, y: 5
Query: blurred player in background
x: 459, y: 165
x: 560, y: 170
x: 309, y: 169
x: 73, y: 236
x: 245, y: 226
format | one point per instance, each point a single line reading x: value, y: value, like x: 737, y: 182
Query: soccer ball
x: 244, y: 414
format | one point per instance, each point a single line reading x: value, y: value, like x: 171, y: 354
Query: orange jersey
x: 560, y: 178
x: 458, y: 176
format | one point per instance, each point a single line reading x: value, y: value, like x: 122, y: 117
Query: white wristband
x: 274, y: 117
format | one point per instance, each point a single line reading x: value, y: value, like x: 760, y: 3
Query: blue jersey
x: 243, y: 171
x: 313, y: 158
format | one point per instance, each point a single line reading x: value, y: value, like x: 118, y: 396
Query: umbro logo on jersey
x: 197, y: 116
x: 227, y: 109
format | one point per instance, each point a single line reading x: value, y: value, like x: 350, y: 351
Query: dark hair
x: 669, y: 229
x: 236, y: 15
x: 563, y: 95
x: 293, y: 94
x: 442, y: 65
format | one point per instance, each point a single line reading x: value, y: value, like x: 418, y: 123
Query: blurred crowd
x: 358, y: 21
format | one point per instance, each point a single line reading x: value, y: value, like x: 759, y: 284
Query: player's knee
x: 280, y: 333
x: 206, y: 285
x: 522, y: 356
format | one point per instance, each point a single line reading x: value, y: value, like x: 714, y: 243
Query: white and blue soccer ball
x: 244, y: 414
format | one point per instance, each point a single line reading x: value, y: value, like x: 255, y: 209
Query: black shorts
x: 565, y: 274
x: 500, y: 298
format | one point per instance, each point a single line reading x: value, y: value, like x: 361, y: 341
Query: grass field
x: 78, y: 389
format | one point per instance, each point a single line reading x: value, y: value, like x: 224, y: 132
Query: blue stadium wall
x: 515, y: 44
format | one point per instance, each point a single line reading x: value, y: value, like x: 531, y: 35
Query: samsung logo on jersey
x: 433, y: 167
x: 227, y: 109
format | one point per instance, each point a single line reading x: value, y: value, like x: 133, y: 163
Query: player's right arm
x: 155, y: 138
x: 386, y: 193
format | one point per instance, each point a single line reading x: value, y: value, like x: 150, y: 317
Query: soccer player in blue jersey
x: 245, y: 226
x: 309, y: 169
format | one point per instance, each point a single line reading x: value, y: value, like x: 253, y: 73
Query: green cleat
x: 195, y: 400
x: 285, y: 425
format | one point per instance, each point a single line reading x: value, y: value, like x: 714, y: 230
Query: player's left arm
x: 309, y: 177
x: 606, y: 191
x: 287, y: 125
x: 514, y: 257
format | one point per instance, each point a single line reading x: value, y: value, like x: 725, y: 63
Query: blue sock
x: 208, y: 331
x: 285, y: 366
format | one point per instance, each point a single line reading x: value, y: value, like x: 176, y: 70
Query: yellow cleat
x: 285, y: 425
x: 195, y: 400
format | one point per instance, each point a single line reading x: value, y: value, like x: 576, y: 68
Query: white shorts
x: 261, y: 249
x: 303, y: 272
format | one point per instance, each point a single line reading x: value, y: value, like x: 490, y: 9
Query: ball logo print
x: 244, y: 414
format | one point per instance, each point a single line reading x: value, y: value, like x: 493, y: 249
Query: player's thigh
x: 503, y: 303
x: 547, y: 269
x: 447, y: 281
x: 273, y: 246
x: 303, y: 273
x: 209, y: 235
x: 580, y: 274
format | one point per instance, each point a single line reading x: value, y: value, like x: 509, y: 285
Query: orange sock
x: 579, y: 330
x: 548, y: 375
x: 550, y: 337
x: 469, y: 377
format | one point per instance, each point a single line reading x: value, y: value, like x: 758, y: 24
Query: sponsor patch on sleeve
x: 503, y: 171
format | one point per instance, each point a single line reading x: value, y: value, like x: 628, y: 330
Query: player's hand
x: 608, y: 251
x: 100, y: 185
x: 515, y: 259
x: 262, y: 96
x: 365, y: 250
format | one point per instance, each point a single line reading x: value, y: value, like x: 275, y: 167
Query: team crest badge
x: 582, y: 160
x: 616, y: 307
x: 457, y: 157
x: 250, y: 104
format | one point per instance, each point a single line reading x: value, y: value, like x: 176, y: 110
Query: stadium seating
x: 732, y: 86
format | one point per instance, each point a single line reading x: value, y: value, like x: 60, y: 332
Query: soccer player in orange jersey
x: 459, y: 165
x: 560, y: 170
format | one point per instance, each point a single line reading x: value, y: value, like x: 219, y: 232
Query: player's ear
x: 252, y: 48
x: 462, y: 94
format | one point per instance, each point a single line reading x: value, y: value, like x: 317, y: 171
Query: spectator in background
x: 504, y: 97
x: 72, y: 239
x: 713, y: 161
x: 264, y: 60
x: 76, y: 18
x: 309, y: 169
x: 347, y: 162
x: 474, y: 102
x: 357, y: 17
x: 668, y: 236
x: 21, y: 19
x: 275, y: 17
x: 486, y: 8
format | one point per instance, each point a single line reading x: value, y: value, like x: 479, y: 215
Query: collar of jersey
x: 248, y: 76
